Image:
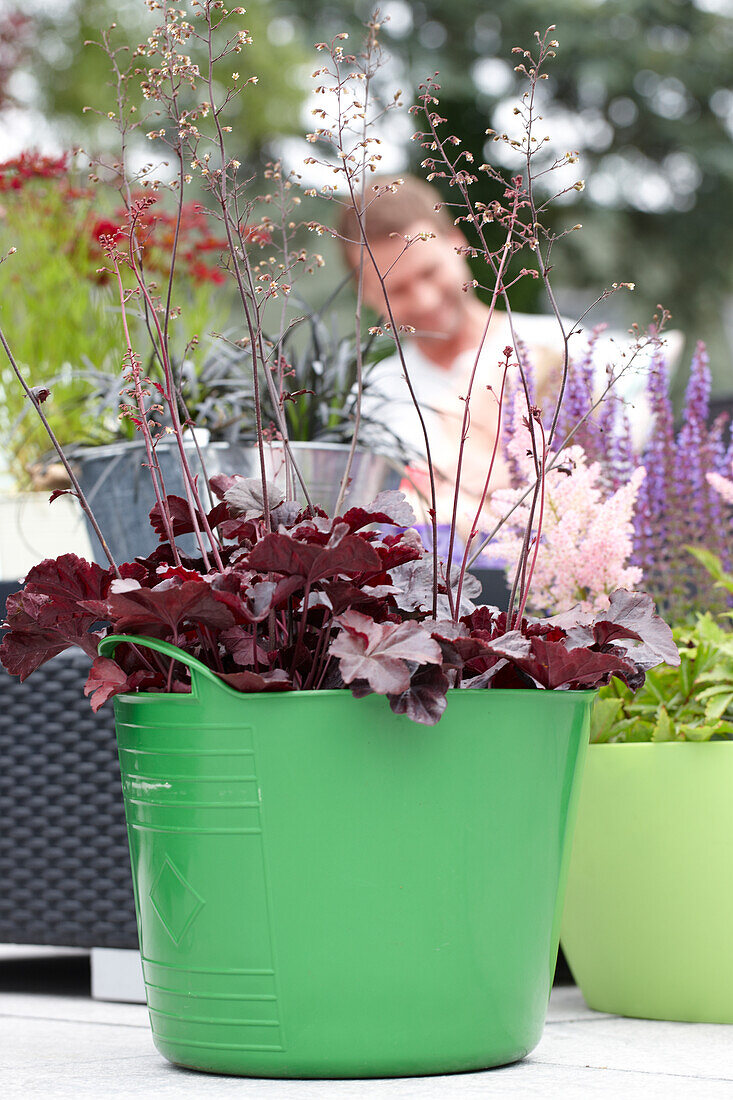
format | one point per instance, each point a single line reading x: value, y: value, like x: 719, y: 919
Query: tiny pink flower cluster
x: 722, y: 485
x: 587, y: 532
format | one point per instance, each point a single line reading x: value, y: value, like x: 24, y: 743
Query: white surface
x: 62, y: 1048
x: 31, y: 529
x: 117, y: 975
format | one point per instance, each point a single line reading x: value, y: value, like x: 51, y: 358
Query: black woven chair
x: 64, y: 861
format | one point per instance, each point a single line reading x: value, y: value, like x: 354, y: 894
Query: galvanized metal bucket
x: 116, y: 482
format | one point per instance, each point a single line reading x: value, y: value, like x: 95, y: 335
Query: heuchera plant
x: 277, y: 595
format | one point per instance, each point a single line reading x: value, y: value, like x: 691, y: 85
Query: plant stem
x: 57, y: 447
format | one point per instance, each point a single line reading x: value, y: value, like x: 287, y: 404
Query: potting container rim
x: 325, y: 693
x: 655, y: 744
x: 107, y: 647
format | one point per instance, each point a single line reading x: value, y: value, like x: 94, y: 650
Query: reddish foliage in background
x: 155, y: 235
x: 198, y: 247
x: 29, y: 165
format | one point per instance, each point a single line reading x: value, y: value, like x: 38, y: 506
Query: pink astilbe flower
x: 587, y: 533
x: 722, y: 485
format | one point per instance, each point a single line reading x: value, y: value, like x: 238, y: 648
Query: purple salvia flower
x: 515, y: 398
x: 652, y: 518
x: 693, y: 460
x: 719, y: 517
x: 618, y: 460
x: 716, y: 442
x: 578, y: 400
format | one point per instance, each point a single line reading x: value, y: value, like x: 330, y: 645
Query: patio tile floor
x: 57, y: 1043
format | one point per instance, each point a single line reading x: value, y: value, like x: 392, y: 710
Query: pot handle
x: 197, y: 668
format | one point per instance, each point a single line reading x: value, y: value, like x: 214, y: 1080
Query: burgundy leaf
x: 134, y: 570
x: 171, y: 607
x: 484, y: 618
x: 397, y: 550
x: 278, y: 553
x: 175, y: 573
x: 277, y: 680
x: 552, y: 665
x: 68, y: 579
x: 60, y: 493
x: 352, y: 555
x: 634, y: 613
x: 484, y: 678
x: 343, y: 595
x: 220, y: 483
x: 249, y: 602
x: 391, y: 506
x: 425, y: 699
x: 106, y: 679
x: 240, y: 642
x: 218, y: 515
x: 48, y: 615
x: 181, y: 518
x: 23, y: 651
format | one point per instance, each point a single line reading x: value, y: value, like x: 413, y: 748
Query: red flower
x: 105, y: 228
x: 31, y: 165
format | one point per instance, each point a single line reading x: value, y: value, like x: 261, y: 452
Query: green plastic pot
x: 649, y: 904
x: 325, y: 889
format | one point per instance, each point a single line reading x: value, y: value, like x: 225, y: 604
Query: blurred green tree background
x: 642, y: 88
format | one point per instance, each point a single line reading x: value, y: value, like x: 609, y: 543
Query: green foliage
x: 48, y: 286
x: 691, y: 703
x: 643, y: 88
x: 319, y: 381
x: 51, y: 285
x: 72, y: 76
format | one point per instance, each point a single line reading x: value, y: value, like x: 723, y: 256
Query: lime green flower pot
x: 649, y: 904
x: 325, y: 889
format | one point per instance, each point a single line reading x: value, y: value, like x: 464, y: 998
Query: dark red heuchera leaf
x: 634, y: 613
x: 279, y: 553
x: 397, y: 550
x: 552, y: 665
x: 240, y: 643
x: 180, y: 515
x: 133, y: 571
x: 425, y: 699
x: 22, y: 651
x: 170, y: 606
x: 276, y: 680
x: 220, y: 483
x: 106, y: 679
x: 48, y: 615
x: 68, y: 579
x: 391, y: 506
x: 249, y: 601
x: 344, y: 595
